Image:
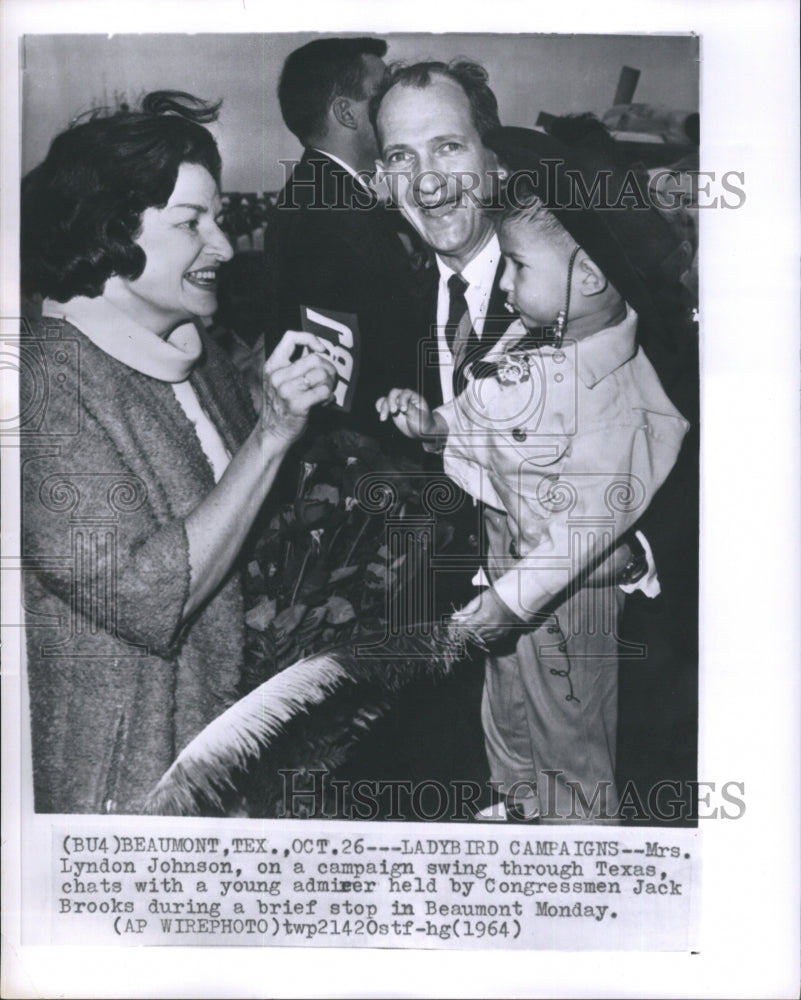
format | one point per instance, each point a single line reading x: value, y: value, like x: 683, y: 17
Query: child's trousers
x: 549, y: 707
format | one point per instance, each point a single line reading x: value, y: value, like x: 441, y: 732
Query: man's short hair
x: 471, y: 77
x: 315, y: 74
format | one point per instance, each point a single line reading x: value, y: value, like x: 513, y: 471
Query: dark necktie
x: 457, y: 307
x: 465, y: 349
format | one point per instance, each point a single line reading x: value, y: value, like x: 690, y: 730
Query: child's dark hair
x: 519, y: 203
x: 82, y: 206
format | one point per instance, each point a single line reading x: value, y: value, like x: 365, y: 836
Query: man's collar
x: 480, y: 271
x: 121, y: 337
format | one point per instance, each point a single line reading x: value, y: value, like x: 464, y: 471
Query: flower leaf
x: 339, y: 610
x: 378, y: 569
x: 342, y: 573
x: 261, y: 615
x: 288, y: 620
x: 324, y: 491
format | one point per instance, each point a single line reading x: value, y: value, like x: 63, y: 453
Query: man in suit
x: 430, y: 120
x: 333, y: 244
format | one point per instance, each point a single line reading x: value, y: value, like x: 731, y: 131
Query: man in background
x: 333, y: 244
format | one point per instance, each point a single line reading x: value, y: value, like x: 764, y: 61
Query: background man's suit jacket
x: 334, y: 245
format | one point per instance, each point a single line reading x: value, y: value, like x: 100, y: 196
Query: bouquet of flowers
x: 322, y: 572
x: 330, y: 645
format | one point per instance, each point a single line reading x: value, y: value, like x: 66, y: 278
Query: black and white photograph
x: 372, y: 434
x: 338, y: 547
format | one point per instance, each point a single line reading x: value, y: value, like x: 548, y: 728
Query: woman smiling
x: 148, y: 466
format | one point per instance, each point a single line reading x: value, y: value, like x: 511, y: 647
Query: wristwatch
x: 637, y: 566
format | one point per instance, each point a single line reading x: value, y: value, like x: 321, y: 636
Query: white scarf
x: 169, y: 360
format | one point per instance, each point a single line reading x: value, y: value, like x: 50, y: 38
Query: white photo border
x: 748, y: 918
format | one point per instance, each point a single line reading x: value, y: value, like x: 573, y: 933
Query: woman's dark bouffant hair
x: 82, y: 206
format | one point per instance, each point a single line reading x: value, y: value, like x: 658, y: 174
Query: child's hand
x: 486, y: 618
x: 409, y: 411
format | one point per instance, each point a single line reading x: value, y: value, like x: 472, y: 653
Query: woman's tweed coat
x: 111, y: 468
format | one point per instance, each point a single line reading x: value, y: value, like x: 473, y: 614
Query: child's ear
x: 591, y: 279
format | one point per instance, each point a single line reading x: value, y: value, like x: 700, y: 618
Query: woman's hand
x: 217, y: 527
x: 410, y: 413
x: 292, y: 388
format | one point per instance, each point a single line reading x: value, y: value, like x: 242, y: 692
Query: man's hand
x: 410, y: 413
x: 486, y: 618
